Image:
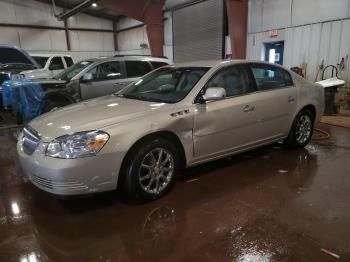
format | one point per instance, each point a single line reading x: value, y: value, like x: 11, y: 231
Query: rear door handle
x: 291, y: 99
x: 118, y: 84
x: 248, y: 108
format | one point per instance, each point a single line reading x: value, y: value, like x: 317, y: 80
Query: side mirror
x: 87, y: 77
x: 214, y: 94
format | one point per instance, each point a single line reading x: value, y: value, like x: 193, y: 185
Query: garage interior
x: 266, y: 204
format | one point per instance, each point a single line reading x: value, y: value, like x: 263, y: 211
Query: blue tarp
x: 24, y: 96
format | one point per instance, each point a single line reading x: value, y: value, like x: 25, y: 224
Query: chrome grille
x: 70, y: 185
x: 30, y: 140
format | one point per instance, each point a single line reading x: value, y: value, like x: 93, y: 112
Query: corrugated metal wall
x: 318, y: 40
x: 129, y: 42
x: 132, y: 40
x: 198, y: 31
x: 84, y: 44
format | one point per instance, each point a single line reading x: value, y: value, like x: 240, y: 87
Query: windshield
x: 167, y: 85
x: 41, y: 60
x: 73, y: 70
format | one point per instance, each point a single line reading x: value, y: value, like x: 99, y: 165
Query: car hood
x: 92, y: 115
x: 13, y: 55
x: 36, y: 73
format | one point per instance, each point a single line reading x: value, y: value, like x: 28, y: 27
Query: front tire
x: 150, y: 169
x: 301, y: 131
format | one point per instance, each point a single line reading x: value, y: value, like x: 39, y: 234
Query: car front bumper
x: 69, y: 176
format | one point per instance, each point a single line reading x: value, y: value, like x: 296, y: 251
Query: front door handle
x: 291, y: 99
x: 248, y: 108
x: 118, y: 84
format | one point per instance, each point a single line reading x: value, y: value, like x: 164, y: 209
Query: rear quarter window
x: 69, y: 61
x: 270, y: 77
x: 157, y: 64
x: 137, y: 68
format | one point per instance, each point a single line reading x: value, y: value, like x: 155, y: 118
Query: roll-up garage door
x: 198, y: 31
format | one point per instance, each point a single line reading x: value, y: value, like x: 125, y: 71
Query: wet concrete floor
x: 270, y: 204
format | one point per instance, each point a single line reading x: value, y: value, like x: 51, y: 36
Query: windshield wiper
x: 142, y: 98
x: 131, y: 97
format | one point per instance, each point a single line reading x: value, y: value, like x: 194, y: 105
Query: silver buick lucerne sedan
x: 174, y: 117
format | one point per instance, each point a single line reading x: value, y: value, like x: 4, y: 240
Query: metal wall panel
x: 255, y: 13
x: 314, y: 51
x: 127, y: 22
x: 31, y: 12
x: 7, y: 13
x: 39, y: 39
x: 198, y: 31
x: 313, y: 11
x: 9, y: 36
x: 276, y: 14
x: 91, y: 41
x: 131, y: 41
x: 168, y: 35
x: 309, y: 44
x: 85, y: 21
x: 270, y: 14
x: 345, y: 47
x: 325, y: 42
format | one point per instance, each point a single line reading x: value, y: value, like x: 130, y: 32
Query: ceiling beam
x: 98, y: 14
x: 76, y: 9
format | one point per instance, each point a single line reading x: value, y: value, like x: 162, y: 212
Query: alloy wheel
x: 303, y: 129
x: 156, y: 170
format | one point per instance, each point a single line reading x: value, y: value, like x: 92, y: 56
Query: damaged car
x: 95, y: 77
x: 175, y: 117
x: 13, y: 61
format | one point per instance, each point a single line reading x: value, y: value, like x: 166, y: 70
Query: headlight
x: 77, y: 145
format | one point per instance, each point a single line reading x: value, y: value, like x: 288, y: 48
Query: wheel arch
x: 168, y: 135
x: 311, y: 108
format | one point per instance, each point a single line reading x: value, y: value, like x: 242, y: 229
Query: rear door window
x: 69, y: 61
x: 137, y: 68
x: 270, y: 77
x: 107, y: 71
x: 56, y: 63
x: 233, y: 79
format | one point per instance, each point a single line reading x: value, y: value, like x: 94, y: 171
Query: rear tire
x: 301, y: 131
x: 150, y: 170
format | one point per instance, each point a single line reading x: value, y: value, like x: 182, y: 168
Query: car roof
x: 218, y: 63
x: 49, y: 55
x: 128, y: 58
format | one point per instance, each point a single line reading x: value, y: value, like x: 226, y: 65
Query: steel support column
x: 115, y: 35
x: 66, y: 29
x: 237, y: 12
x: 148, y: 11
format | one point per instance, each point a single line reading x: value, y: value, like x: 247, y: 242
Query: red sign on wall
x: 274, y: 33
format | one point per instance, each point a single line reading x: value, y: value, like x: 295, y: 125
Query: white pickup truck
x: 51, y: 65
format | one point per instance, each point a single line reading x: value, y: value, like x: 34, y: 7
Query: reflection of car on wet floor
x: 191, y: 223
